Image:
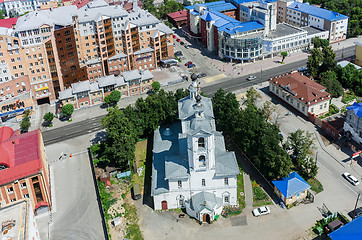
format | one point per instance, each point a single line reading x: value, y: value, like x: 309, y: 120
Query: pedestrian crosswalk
x: 214, y: 78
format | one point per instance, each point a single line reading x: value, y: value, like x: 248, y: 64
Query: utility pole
x: 355, y: 206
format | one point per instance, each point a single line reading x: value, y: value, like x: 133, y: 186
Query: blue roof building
x: 353, y: 122
x: 291, y: 188
x: 316, y: 11
x: 350, y: 231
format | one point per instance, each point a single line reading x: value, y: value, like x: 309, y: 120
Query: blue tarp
x: 123, y: 174
x: 291, y: 185
x: 350, y: 231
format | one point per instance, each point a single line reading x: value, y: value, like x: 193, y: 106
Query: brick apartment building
x: 58, y: 47
x: 24, y: 171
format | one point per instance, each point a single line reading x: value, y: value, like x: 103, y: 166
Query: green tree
x: 324, y: 43
x: 67, y: 110
x: 329, y: 80
x: 225, y: 106
x: 156, y: 86
x: 112, y: 98
x: 301, y: 145
x: 48, y: 117
x: 316, y: 42
x: 25, y: 122
x: 284, y: 55
x: 314, y: 61
x: 329, y: 63
x: 2, y: 14
x: 121, y: 140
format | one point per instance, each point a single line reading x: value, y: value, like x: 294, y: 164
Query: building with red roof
x: 24, y: 171
x: 178, y: 19
x: 81, y: 3
x: 302, y: 93
x: 8, y: 22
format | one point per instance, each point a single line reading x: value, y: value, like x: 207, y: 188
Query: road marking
x: 215, y: 78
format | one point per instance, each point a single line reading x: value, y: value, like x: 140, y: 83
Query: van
x: 136, y: 191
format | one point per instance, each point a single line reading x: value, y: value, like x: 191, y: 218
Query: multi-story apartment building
x: 244, y: 30
x: 24, y: 171
x: 302, y: 14
x: 61, y: 46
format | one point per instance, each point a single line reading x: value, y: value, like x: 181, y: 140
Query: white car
x: 261, y: 211
x: 350, y: 178
x: 252, y: 77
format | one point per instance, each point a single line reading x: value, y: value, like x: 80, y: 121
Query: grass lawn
x: 241, y: 193
x: 140, y: 159
x: 260, y: 198
x: 133, y: 230
x: 316, y: 186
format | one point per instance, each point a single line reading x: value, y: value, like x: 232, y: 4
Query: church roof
x: 204, y: 200
x: 187, y: 107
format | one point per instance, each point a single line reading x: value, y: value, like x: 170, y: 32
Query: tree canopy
x: 25, y: 122
x: 156, y: 86
x: 67, y: 110
x: 113, y: 97
x: 301, y: 145
x: 284, y: 55
x: 48, y: 117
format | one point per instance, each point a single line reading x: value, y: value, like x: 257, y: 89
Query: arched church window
x: 201, y: 142
x: 202, y: 162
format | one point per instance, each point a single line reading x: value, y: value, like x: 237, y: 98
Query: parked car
x: 350, y: 178
x: 191, y: 65
x: 355, y: 214
x: 261, y: 211
x: 252, y: 77
x: 186, y: 46
x: 178, y: 40
x: 182, y: 43
x: 174, y: 36
x: 188, y: 63
x: 182, y: 58
x: 302, y: 69
x: 178, y: 53
x: 200, y: 75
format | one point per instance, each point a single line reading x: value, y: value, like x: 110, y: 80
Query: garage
x: 43, y: 101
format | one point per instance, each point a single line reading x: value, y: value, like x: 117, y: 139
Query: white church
x: 191, y: 168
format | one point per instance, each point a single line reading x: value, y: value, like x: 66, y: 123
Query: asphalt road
x: 228, y: 84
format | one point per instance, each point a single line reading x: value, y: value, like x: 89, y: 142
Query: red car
x: 174, y: 36
x: 188, y: 63
x: 178, y: 40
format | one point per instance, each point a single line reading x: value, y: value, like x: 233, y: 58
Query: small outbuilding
x: 291, y: 188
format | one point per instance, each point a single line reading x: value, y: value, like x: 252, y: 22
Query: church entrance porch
x: 206, y: 218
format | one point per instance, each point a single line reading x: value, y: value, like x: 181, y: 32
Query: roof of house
x: 81, y: 86
x: 291, y: 185
x: 302, y: 87
x: 316, y: 11
x: 8, y: 22
x: 66, y: 93
x: 283, y: 29
x: 178, y: 16
x: 80, y: 3
x: 222, y: 7
x: 20, y: 153
x: 350, y: 231
x: 356, y: 108
x: 203, y: 200
x: 345, y: 63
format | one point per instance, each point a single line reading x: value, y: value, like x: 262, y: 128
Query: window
x: 23, y: 185
x: 226, y: 199
x: 226, y: 181
x: 201, y: 142
x: 26, y: 195
x: 202, y: 162
x: 10, y: 190
x: 179, y: 183
x: 203, y: 183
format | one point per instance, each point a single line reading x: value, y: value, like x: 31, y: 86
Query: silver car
x: 252, y: 77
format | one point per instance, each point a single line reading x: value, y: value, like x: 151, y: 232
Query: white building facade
x: 353, y: 122
x: 191, y: 167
